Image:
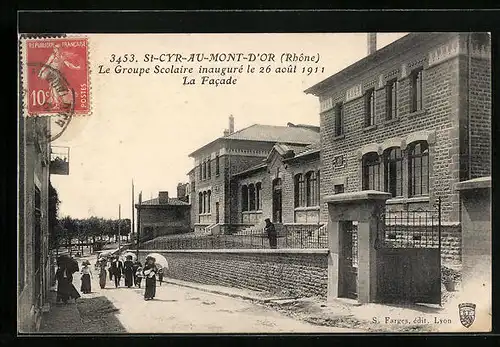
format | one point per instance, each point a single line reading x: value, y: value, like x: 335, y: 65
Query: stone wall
x: 297, y: 272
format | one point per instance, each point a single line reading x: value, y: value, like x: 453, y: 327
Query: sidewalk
x: 61, y: 318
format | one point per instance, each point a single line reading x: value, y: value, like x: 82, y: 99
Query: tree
x: 55, y: 231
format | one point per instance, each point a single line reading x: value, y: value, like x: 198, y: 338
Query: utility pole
x: 132, y: 226
x: 119, y: 226
x: 139, y: 223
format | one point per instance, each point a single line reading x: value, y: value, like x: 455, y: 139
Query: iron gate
x: 409, y: 256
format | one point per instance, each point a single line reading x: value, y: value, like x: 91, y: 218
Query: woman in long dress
x: 149, y: 273
x: 102, y: 273
x: 86, y: 276
x: 128, y: 271
x: 65, y: 288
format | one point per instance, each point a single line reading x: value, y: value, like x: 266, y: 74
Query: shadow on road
x: 165, y: 300
x: 99, y: 315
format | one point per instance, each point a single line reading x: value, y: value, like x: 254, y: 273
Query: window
x: 193, y: 187
x: 371, y: 171
x: 204, y: 170
x: 312, y: 189
x: 209, y: 169
x: 393, y: 172
x: 200, y: 203
x: 391, y: 95
x: 416, y: 90
x: 418, y: 169
x: 370, y: 107
x: 339, y: 122
x: 201, y: 171
x: 204, y: 202
x: 338, y: 188
x: 251, y: 197
x: 258, y: 189
x: 217, y: 165
x: 209, y: 202
x: 300, y: 193
x: 244, y: 198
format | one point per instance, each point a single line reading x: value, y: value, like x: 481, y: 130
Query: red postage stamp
x: 57, y: 76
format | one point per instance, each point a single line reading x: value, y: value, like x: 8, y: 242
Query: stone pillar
x: 475, y: 200
x: 365, y: 208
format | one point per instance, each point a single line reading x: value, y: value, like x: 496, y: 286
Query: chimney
x: 371, y: 43
x: 231, y: 124
x: 163, y: 198
x: 181, y: 190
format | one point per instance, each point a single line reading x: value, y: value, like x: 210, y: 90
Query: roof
x: 272, y: 133
x: 251, y: 169
x: 171, y: 202
x: 394, y: 49
x: 305, y: 151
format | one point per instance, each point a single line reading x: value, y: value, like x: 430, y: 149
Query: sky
x: 142, y: 128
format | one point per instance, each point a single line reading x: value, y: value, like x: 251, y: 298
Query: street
x: 178, y: 309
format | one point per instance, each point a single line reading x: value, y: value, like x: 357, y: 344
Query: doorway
x: 277, y: 202
x: 348, y: 286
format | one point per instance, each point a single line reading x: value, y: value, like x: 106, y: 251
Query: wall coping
x: 242, y: 251
x: 357, y: 196
x: 475, y: 183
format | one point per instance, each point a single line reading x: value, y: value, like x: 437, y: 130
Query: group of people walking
x: 132, y: 271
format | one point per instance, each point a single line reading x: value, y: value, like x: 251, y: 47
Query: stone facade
x: 34, y: 271
x: 163, y: 216
x: 448, y: 72
x: 454, y: 121
x: 301, y: 273
x: 215, y: 179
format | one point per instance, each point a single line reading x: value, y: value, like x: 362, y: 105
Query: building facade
x: 163, y: 216
x: 411, y: 119
x: 232, y: 180
x: 33, y: 250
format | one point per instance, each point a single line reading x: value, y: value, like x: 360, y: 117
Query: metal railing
x: 288, y: 236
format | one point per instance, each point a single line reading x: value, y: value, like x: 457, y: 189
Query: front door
x: 277, y: 215
x: 217, y: 212
x: 349, y: 260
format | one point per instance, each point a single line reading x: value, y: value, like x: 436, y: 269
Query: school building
x: 262, y: 171
x: 412, y: 119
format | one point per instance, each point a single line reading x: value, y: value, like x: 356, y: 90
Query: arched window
x: 244, y: 198
x: 418, y: 168
x: 200, y: 203
x: 204, y: 202
x: 258, y: 190
x: 300, y: 191
x: 312, y: 190
x: 393, y: 171
x: 209, y: 202
x: 251, y: 197
x: 204, y: 170
x: 371, y: 171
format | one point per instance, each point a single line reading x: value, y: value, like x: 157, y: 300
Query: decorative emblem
x: 339, y: 161
x: 467, y: 312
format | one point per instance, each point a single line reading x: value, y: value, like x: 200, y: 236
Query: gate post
x: 364, y: 207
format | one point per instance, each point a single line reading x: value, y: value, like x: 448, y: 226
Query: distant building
x: 249, y: 175
x: 163, y: 216
x: 33, y: 250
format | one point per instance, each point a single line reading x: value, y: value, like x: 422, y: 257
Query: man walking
x: 116, y: 270
x: 271, y: 233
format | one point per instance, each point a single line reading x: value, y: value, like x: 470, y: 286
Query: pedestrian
x: 138, y: 276
x: 271, y: 233
x: 160, y: 275
x: 149, y: 273
x: 116, y: 270
x: 64, y: 276
x: 128, y: 271
x: 102, y: 273
x: 135, y: 267
x: 86, y: 276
